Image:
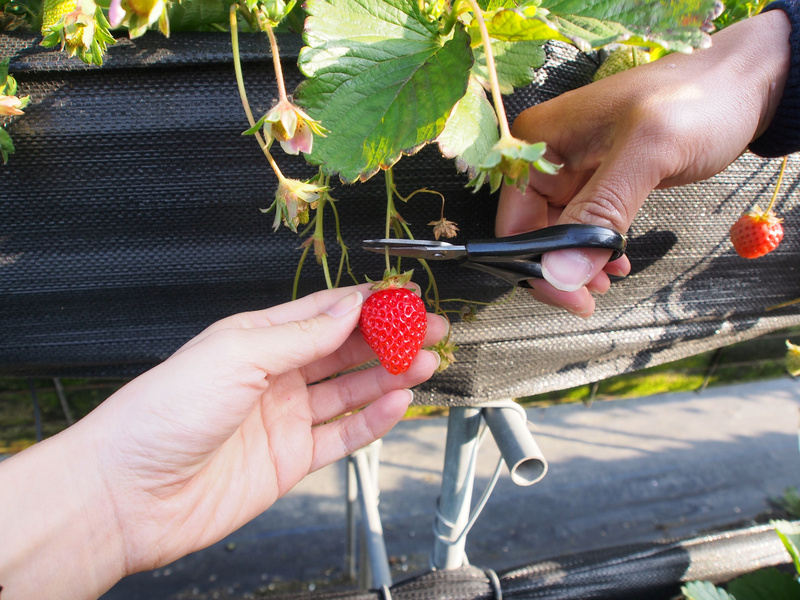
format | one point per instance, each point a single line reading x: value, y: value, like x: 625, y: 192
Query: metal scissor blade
x: 426, y: 249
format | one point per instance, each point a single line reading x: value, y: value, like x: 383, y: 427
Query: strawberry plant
x: 10, y: 105
x: 384, y: 78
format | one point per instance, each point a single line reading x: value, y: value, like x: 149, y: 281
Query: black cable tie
x: 494, y: 580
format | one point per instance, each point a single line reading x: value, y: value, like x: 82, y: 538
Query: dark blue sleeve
x: 783, y: 135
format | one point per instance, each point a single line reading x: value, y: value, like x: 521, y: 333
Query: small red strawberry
x: 756, y: 233
x: 393, y: 322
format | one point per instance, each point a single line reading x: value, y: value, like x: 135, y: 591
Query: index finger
x: 295, y: 310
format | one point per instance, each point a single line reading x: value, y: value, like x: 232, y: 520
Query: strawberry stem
x: 237, y: 67
x: 777, y: 187
x: 296, y: 283
x: 344, y: 260
x: 319, y: 234
x: 390, y: 210
x: 276, y: 61
x: 494, y: 83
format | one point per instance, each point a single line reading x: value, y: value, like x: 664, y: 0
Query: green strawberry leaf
x: 6, y: 145
x: 515, y: 62
x: 522, y: 23
x: 765, y: 584
x: 703, y: 590
x: 471, y: 130
x: 4, y: 74
x: 592, y: 24
x: 790, y: 536
x: 671, y: 25
x: 381, y: 78
x: 194, y: 15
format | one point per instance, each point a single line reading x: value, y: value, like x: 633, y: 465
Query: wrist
x: 781, y: 25
x: 60, y: 536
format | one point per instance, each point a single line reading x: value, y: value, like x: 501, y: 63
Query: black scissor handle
x: 517, y: 258
x: 530, y: 246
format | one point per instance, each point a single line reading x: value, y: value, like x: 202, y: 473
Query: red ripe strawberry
x: 393, y: 322
x: 756, y: 233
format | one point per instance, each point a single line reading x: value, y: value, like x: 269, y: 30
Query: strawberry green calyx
x: 792, y: 358
x: 79, y: 26
x: 392, y: 279
x: 510, y: 161
x: 446, y: 349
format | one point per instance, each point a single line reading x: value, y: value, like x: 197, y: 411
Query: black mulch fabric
x: 129, y: 221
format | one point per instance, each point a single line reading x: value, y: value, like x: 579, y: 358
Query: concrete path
x: 619, y: 472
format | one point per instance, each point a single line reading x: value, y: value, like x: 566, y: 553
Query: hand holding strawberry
x: 394, y: 322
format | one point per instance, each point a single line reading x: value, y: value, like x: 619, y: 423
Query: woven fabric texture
x: 129, y: 221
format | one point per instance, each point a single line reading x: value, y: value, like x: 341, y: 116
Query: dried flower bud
x: 444, y: 228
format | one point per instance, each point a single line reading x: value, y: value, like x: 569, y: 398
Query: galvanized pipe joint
x: 520, y: 452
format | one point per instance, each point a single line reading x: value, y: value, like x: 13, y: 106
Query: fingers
x: 349, y: 392
x: 336, y: 440
x: 297, y: 343
x: 296, y: 310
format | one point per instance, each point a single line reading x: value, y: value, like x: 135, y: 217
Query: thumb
x: 294, y: 344
x: 611, y: 198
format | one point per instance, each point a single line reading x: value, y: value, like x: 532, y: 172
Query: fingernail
x: 567, y: 270
x: 577, y: 313
x: 411, y: 396
x: 446, y: 326
x: 346, y: 304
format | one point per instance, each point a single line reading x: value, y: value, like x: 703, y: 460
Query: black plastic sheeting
x: 129, y: 221
x: 646, y: 571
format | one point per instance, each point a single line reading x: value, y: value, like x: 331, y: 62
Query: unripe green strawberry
x: 54, y: 10
x: 394, y: 322
x: 792, y: 358
x: 621, y: 59
x: 756, y: 233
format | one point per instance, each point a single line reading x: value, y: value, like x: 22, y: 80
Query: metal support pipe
x: 458, y: 477
x: 351, y: 542
x: 375, y: 546
x: 521, y: 453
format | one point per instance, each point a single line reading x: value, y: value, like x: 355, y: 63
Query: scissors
x: 514, y: 259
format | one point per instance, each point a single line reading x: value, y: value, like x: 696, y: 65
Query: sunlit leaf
x: 517, y: 25
x: 471, y: 130
x: 765, y: 584
x: 381, y: 79
x: 673, y: 24
x: 703, y: 590
x: 790, y: 536
x: 516, y: 63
